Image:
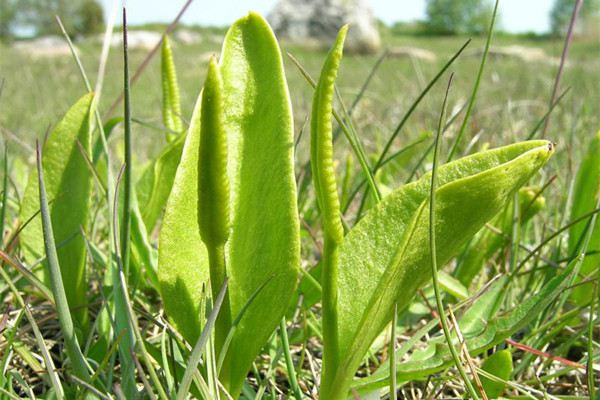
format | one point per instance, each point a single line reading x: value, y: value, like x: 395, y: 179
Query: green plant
x: 251, y: 129
x: 230, y: 259
x: 68, y: 187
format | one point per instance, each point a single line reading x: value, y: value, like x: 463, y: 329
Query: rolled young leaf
x: 262, y: 254
x: 68, y: 186
x: 387, y: 253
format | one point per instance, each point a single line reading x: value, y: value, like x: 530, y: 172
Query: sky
x: 515, y: 15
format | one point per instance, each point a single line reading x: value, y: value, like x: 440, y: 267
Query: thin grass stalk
x: 590, y: 341
x: 4, y: 191
x: 562, y: 229
x: 537, y: 127
x: 200, y: 345
x: 289, y: 362
x: 72, y: 348
x: 393, y: 358
x: 382, y: 157
x: 432, y: 245
x: 54, y: 379
x: 516, y: 233
x: 356, y: 148
x: 123, y: 295
x: 138, y: 72
x: 127, y: 177
x: 414, y: 105
x: 486, y: 51
x: 563, y: 58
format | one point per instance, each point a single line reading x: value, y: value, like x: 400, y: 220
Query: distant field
x: 513, y: 96
x: 235, y: 180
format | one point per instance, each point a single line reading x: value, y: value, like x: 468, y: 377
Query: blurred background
x: 413, y: 40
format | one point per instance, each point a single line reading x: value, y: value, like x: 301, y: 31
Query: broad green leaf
x: 481, y: 330
x: 68, y: 186
x: 154, y: 186
x: 487, y: 242
x: 500, y: 365
x: 182, y: 257
x: 170, y: 89
x: 585, y: 195
x: 264, y: 244
x: 262, y: 252
x: 385, y: 258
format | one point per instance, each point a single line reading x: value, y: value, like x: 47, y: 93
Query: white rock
x: 45, y: 46
x: 523, y: 53
x: 412, y: 52
x: 318, y: 21
x: 186, y: 36
x: 144, y: 40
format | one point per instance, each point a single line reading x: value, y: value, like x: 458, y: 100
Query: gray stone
x: 318, y: 21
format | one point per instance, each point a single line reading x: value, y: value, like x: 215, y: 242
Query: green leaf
x: 585, y: 193
x: 480, y: 328
x: 56, y: 281
x: 263, y: 246
x: 154, y: 186
x: 487, y: 242
x: 68, y: 186
x: 171, y: 102
x: 500, y: 365
x: 182, y: 257
x: 387, y: 250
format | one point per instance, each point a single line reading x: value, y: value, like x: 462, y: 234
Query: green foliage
x: 391, y: 271
x: 8, y: 18
x: 500, y: 365
x: 585, y: 197
x: 562, y: 10
x: 154, y: 186
x: 457, y: 16
x: 482, y: 328
x: 262, y: 252
x: 56, y: 280
x: 487, y: 242
x: 68, y: 185
x: 80, y: 17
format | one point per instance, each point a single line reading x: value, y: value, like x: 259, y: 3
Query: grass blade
x: 4, y: 190
x: 477, y: 82
x: 201, y: 344
x: 563, y: 58
x: 432, y: 246
x: 288, y: 360
x: 127, y: 177
x: 72, y: 348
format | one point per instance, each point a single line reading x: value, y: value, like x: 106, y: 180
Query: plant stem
x: 127, y: 178
x: 434, y: 266
x: 563, y: 59
x: 477, y: 82
x: 58, y: 290
x: 218, y: 277
x: 288, y: 360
